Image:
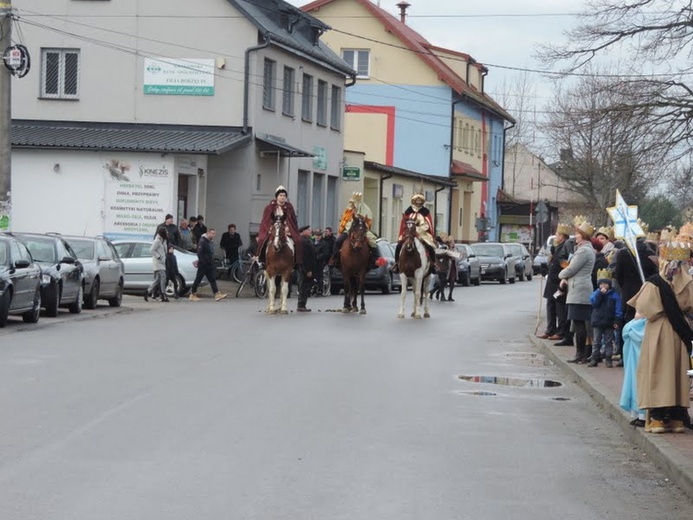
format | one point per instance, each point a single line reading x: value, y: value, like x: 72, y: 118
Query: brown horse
x: 354, y: 259
x: 447, y: 276
x: 279, y: 255
x: 414, y: 267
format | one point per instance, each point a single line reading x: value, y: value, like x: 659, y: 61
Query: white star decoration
x: 626, y: 224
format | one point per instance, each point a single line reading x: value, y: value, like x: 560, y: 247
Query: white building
x: 137, y: 109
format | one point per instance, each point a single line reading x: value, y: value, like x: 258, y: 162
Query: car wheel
x: 182, y: 288
x: 76, y: 306
x: 5, y: 302
x: 93, y: 296
x: 117, y: 300
x: 504, y: 279
x: 260, y: 284
x: 53, y: 302
x: 464, y: 279
x: 34, y: 314
x: 387, y: 289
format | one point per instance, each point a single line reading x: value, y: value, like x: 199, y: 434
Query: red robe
x: 291, y: 221
x: 409, y: 214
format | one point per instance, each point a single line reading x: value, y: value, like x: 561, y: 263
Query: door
x: 20, y: 279
x: 108, y: 268
x: 140, y: 265
x: 71, y: 274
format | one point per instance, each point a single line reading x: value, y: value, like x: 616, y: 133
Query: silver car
x: 137, y: 258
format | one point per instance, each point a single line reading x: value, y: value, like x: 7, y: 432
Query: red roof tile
x: 466, y: 170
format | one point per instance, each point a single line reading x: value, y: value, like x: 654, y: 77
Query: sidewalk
x: 673, y: 453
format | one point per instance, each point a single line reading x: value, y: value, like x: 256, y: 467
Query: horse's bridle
x: 277, y: 240
x: 409, y: 236
x: 357, y: 234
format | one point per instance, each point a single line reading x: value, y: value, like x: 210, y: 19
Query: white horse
x: 414, y: 267
x: 280, y: 262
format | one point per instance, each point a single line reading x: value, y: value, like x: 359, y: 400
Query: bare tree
x: 653, y: 42
x: 603, y: 149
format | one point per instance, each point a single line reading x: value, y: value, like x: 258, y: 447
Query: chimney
x: 403, y: 6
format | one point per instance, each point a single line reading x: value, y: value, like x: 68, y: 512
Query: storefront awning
x: 126, y: 137
x: 467, y: 172
x: 272, y: 143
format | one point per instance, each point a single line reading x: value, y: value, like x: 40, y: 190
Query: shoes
x: 555, y: 337
x: 564, y: 343
x: 146, y: 296
x: 616, y: 357
x: 164, y: 299
x: 638, y: 423
x: 656, y: 426
x: 608, y: 363
x: 450, y: 300
x: 219, y: 296
x: 619, y: 363
x: 577, y: 360
x: 302, y: 309
x: 194, y: 297
x: 677, y: 427
x: 543, y: 336
x: 593, y: 363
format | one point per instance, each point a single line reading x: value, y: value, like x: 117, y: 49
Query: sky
x: 492, y: 37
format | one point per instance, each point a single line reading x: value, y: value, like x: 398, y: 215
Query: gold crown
x: 667, y: 234
x: 675, y: 251
x: 607, y: 231
x: 652, y: 237
x: 603, y: 274
x: 418, y: 196
x: 564, y: 229
x: 644, y: 225
x: 357, y: 196
x: 581, y: 223
x: 686, y: 232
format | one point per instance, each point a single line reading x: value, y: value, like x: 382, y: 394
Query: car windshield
x: 4, y: 253
x: 42, y: 250
x: 461, y: 250
x: 488, y: 249
x: 84, y: 249
x: 515, y: 249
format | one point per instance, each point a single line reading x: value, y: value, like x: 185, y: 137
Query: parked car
x: 378, y: 279
x: 20, y: 282
x: 468, y: 266
x: 540, y: 264
x: 497, y: 261
x: 523, y: 261
x: 103, y: 270
x: 62, y: 279
x: 137, y: 259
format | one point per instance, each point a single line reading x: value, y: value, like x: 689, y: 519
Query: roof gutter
x: 246, y: 78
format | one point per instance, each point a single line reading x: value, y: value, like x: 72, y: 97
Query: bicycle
x: 256, y: 276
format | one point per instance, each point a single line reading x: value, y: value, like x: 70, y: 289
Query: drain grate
x: 512, y: 381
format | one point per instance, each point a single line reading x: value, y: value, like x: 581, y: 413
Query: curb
x: 665, y: 456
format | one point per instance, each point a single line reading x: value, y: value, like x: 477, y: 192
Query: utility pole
x: 5, y: 119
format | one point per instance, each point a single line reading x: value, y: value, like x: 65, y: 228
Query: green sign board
x: 4, y: 222
x: 351, y: 173
x: 320, y: 159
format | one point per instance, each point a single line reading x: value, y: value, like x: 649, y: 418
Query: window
x: 477, y: 143
x: 359, y: 60
x: 60, y: 73
x: 336, y: 115
x: 307, y: 100
x: 288, y: 98
x: 322, y: 103
x: 465, y: 138
x: 268, y: 86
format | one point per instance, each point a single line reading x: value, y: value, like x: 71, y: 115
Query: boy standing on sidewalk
x: 607, y: 315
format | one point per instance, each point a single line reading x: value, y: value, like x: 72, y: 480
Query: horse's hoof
x: 400, y: 316
x: 426, y: 315
x: 346, y: 310
x: 417, y: 316
x: 354, y: 309
x: 412, y: 315
x: 283, y: 312
x: 362, y: 311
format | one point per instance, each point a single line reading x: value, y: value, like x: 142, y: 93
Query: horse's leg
x: 271, y: 293
x: 347, y: 292
x: 285, y: 293
x: 362, y: 290
x: 425, y: 299
x: 418, y: 293
x: 354, y: 292
x: 403, y: 294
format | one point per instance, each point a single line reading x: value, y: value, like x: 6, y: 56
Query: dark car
x: 63, y: 275
x: 378, y: 279
x: 468, y: 266
x: 497, y: 261
x: 540, y: 265
x: 20, y: 282
x: 103, y: 270
x: 523, y: 261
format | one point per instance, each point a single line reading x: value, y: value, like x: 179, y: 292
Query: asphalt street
x: 217, y: 410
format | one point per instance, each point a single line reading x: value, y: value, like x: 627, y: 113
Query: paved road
x: 215, y: 410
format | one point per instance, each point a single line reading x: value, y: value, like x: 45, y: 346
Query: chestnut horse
x: 279, y: 256
x: 354, y: 258
x: 414, y: 267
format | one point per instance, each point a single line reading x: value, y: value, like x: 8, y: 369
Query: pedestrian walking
x: 205, y: 266
x: 306, y: 269
x: 158, y: 252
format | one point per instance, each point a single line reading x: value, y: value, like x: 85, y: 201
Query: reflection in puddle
x: 560, y: 398
x: 512, y: 381
x: 479, y: 392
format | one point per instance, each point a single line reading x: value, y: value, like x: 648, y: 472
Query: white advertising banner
x: 137, y: 197
x: 172, y: 77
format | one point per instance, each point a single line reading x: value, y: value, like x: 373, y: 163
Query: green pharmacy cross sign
x: 351, y: 173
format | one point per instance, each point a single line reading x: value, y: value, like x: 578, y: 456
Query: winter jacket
x: 560, y: 254
x: 626, y: 271
x: 158, y: 251
x: 205, y: 252
x: 606, y: 309
x: 309, y: 258
x: 579, y: 275
x: 172, y: 232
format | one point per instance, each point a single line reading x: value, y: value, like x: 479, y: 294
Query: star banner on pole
x: 626, y: 225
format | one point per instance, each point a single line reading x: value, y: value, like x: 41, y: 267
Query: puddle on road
x: 479, y: 392
x: 512, y: 381
x: 560, y: 398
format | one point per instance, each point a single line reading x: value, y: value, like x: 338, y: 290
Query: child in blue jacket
x: 607, y: 315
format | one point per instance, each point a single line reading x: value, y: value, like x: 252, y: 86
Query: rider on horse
x: 277, y: 208
x: 357, y: 207
x: 421, y: 216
